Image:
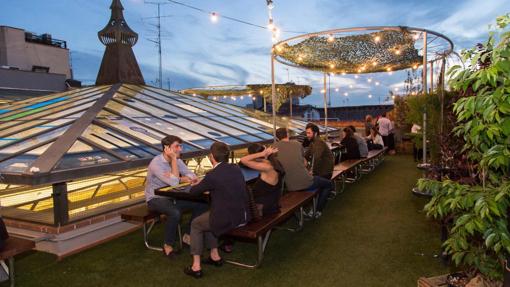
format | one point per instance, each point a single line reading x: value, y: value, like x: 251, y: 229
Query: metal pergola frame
x: 438, y: 55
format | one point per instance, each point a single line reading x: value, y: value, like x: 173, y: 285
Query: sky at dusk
x: 198, y: 53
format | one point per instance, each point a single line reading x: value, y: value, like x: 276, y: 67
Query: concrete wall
x: 16, y: 52
x: 17, y: 79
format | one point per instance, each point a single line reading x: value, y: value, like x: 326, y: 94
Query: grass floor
x: 374, y: 234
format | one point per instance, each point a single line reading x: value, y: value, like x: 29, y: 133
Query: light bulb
x: 377, y: 83
x: 323, y: 91
x: 331, y: 38
x: 369, y: 80
x: 337, y: 89
x: 351, y: 86
x: 332, y: 66
x: 346, y: 94
x: 214, y: 17
x: 369, y: 96
x: 356, y: 76
x: 377, y: 39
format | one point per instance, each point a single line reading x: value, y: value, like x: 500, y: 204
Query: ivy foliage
x: 478, y: 238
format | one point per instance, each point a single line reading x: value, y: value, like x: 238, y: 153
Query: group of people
x: 384, y: 127
x: 287, y: 163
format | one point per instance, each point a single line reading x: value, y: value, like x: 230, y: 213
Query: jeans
x: 324, y: 187
x: 173, y: 211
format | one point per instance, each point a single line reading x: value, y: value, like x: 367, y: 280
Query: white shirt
x: 415, y: 129
x: 385, y: 126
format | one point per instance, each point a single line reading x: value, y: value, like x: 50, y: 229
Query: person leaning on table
x: 229, y: 208
x: 167, y: 169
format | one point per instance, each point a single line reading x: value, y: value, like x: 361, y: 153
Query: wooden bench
x: 13, y: 247
x: 290, y: 204
x: 142, y: 214
x: 357, y: 166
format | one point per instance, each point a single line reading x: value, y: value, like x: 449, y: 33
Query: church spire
x: 119, y: 63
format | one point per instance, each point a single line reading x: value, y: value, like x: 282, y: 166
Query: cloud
x: 220, y: 73
x: 472, y: 19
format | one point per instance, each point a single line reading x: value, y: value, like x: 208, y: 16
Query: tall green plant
x: 479, y: 238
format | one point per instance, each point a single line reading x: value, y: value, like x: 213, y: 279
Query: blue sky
x: 198, y: 53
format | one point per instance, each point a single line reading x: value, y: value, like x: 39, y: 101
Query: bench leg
x: 300, y: 221
x: 11, y: 271
x: 261, y: 247
x: 146, y: 232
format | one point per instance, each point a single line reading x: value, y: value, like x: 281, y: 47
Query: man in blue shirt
x: 167, y: 169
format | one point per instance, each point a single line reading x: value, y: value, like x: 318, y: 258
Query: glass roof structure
x: 103, y: 129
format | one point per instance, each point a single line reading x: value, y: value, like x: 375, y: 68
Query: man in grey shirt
x: 167, y: 169
x: 362, y: 143
x: 297, y: 177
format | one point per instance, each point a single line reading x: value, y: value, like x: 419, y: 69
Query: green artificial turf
x: 374, y: 234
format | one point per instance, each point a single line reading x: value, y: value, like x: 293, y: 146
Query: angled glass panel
x: 21, y: 162
x: 113, y: 141
x: 52, y: 112
x: 27, y: 143
x: 42, y: 99
x: 35, y: 107
x: 30, y: 132
x: 156, y: 127
x: 36, y: 126
x: 82, y: 155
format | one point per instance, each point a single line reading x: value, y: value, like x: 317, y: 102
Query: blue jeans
x: 173, y: 211
x: 323, y: 187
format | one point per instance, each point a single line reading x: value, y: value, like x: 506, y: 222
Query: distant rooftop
x: 45, y: 39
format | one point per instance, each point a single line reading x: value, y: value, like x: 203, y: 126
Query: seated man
x: 362, y: 143
x: 229, y: 208
x: 297, y: 177
x: 164, y: 170
x: 319, y: 153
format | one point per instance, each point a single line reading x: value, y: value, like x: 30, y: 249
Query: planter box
x: 437, y: 281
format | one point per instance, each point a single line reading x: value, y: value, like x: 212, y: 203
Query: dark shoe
x: 195, y: 274
x: 227, y: 248
x: 210, y: 261
x: 172, y: 253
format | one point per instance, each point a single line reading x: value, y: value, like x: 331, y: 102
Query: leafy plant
x: 479, y: 237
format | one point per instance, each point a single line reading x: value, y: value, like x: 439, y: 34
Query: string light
x: 323, y: 91
x: 374, y: 63
x: 369, y: 80
x: 242, y: 97
x: 215, y: 98
x: 397, y: 52
x: 356, y: 76
x: 351, y: 86
x: 224, y: 97
x: 416, y: 36
x: 396, y: 89
x: 253, y: 98
x: 377, y: 83
x: 377, y: 39
x: 346, y: 94
x: 214, y: 17
x: 332, y: 66
x: 415, y: 66
x: 343, y: 73
x: 194, y: 95
x: 392, y: 97
x: 337, y: 89
x: 370, y: 96
x: 331, y: 38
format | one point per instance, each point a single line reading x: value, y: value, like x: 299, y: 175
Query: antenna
x: 158, y: 41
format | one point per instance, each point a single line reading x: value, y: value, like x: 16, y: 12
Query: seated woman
x: 267, y: 188
x: 374, y: 140
x: 350, y: 144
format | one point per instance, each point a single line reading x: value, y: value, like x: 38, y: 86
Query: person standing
x: 297, y: 177
x: 385, y: 127
x: 229, y: 208
x: 167, y: 169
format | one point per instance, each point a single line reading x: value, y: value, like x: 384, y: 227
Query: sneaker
x: 318, y: 214
x: 308, y: 214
